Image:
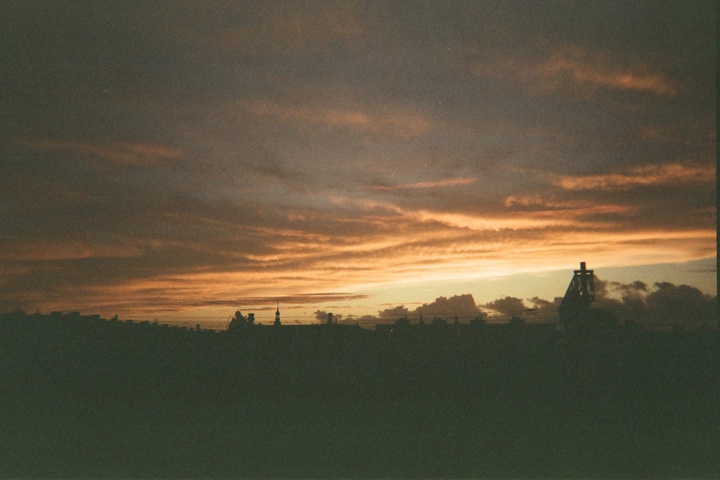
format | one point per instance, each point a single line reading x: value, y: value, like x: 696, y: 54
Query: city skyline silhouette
x: 89, y: 397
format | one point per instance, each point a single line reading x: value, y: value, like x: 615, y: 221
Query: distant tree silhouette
x: 238, y: 321
x: 507, y: 305
x: 462, y: 305
x: 663, y: 303
x: 392, y: 314
x: 324, y: 318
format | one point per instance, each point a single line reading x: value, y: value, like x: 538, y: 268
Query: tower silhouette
x: 577, y: 299
x: 277, y: 316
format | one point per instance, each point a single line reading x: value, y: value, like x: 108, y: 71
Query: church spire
x: 277, y: 315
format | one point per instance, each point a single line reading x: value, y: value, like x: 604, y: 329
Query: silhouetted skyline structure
x: 87, y: 397
x: 579, y: 295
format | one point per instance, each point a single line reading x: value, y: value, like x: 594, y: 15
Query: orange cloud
x: 642, y: 176
x: 447, y: 182
x: 578, y: 210
x: 596, y: 70
x: 121, y: 153
x: 398, y: 123
x: 581, y: 68
x: 532, y: 201
x: 515, y: 221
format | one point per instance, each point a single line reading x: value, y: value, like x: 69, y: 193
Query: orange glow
x: 440, y: 257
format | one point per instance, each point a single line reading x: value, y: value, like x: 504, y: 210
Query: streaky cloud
x: 446, y: 182
x: 394, y: 122
x: 649, y: 175
x: 120, y: 153
x: 574, y: 67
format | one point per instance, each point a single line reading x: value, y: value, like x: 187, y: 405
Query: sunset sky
x: 190, y: 158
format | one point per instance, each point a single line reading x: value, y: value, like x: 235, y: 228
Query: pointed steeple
x: 277, y: 315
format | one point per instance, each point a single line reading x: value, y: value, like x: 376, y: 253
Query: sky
x: 187, y: 159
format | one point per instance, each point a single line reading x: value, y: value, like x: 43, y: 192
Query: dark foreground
x: 90, y: 398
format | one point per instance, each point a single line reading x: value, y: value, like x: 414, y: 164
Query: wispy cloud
x: 577, y: 67
x: 580, y: 211
x: 478, y: 222
x: 648, y: 175
x: 393, y: 123
x: 40, y: 250
x: 121, y: 153
x: 445, y: 182
x: 533, y: 201
x: 267, y: 302
x: 585, y: 68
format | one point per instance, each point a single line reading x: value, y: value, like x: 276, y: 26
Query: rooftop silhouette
x: 88, y: 397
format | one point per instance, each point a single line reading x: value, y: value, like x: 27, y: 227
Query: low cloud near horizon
x: 662, y: 304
